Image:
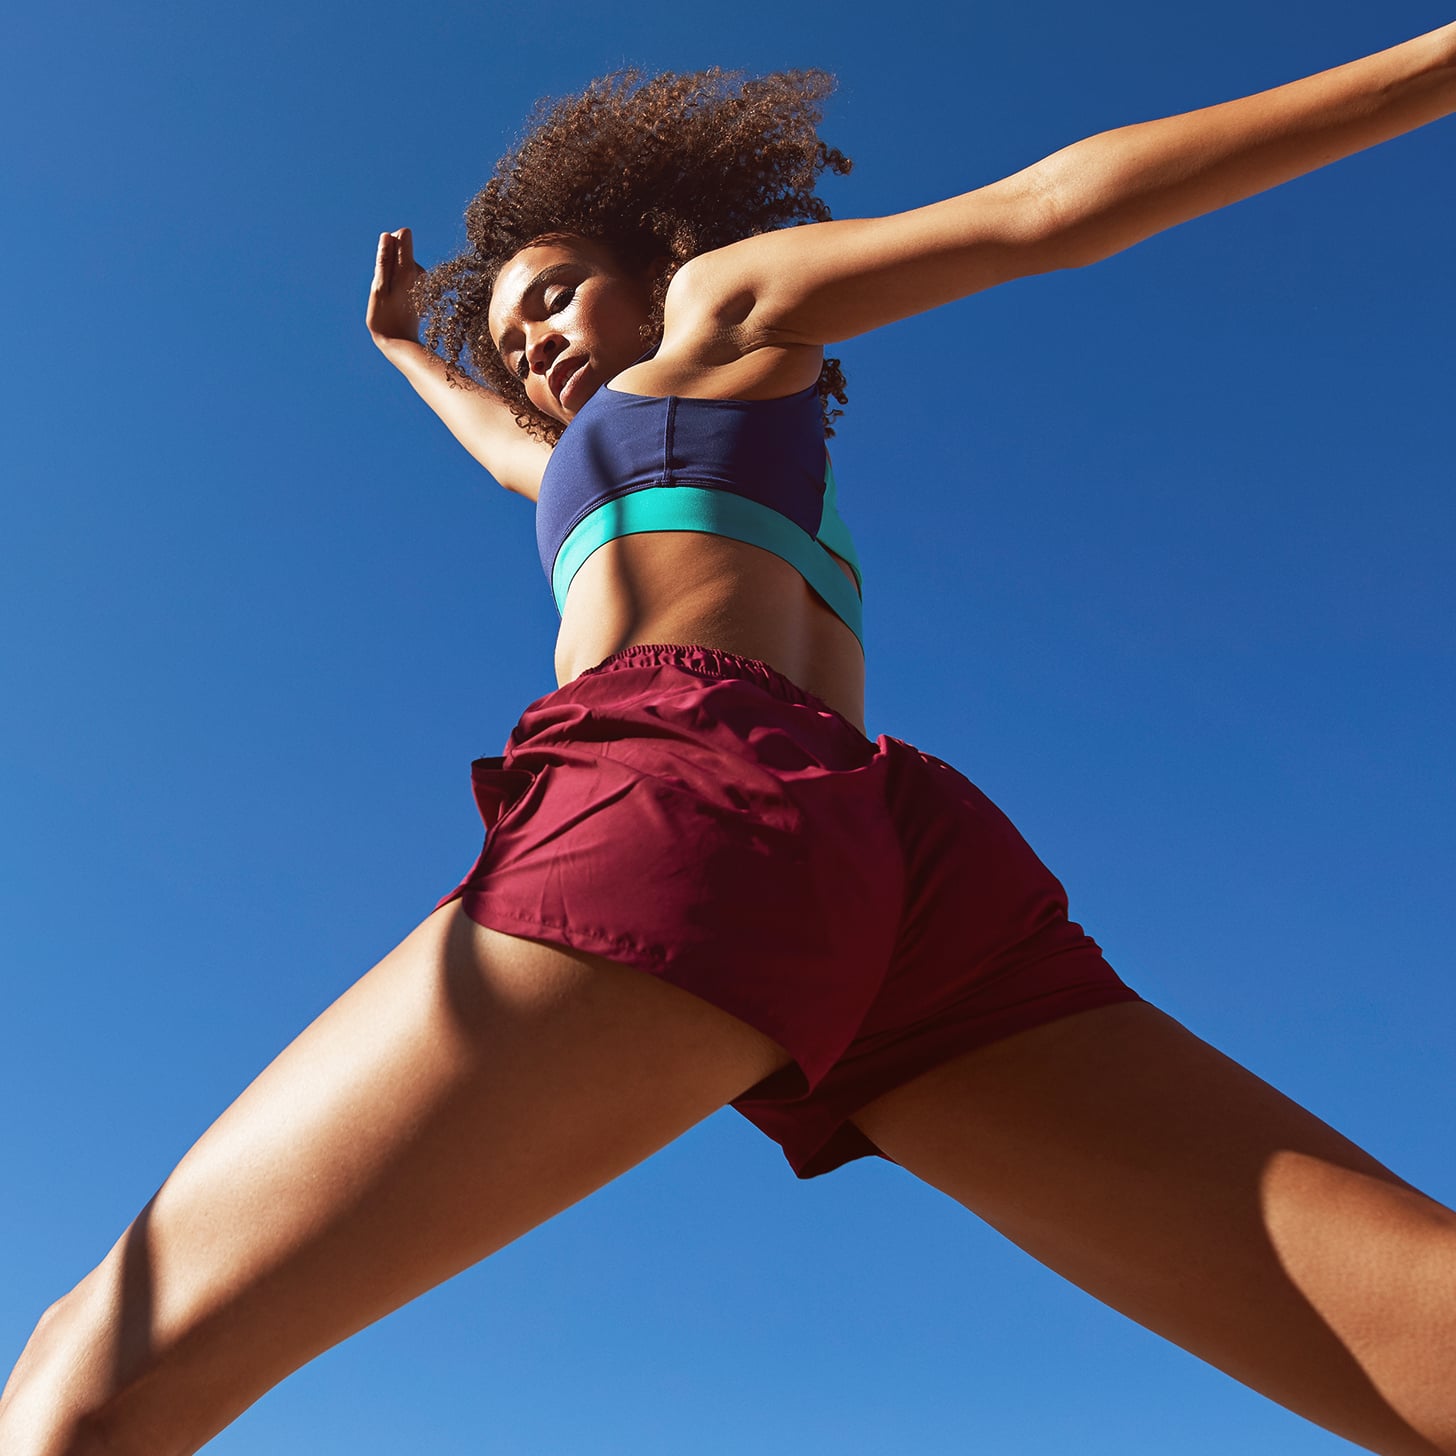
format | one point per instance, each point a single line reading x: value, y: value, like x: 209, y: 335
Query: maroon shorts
x: 697, y: 816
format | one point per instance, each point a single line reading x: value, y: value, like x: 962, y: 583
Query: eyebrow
x: 544, y: 279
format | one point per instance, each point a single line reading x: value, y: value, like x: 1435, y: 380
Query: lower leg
x: 1175, y: 1186
x: 467, y: 1089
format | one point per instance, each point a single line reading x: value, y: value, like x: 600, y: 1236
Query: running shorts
x: 697, y: 816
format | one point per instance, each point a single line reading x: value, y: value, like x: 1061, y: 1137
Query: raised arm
x: 480, y: 420
x: 819, y: 284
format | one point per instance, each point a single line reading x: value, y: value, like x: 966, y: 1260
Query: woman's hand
x: 392, y: 316
x: 481, y: 420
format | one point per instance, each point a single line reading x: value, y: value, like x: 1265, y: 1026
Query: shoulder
x: 713, y: 342
x: 717, y: 294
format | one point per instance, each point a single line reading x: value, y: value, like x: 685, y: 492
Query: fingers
x: 395, y: 260
x: 406, y: 251
x: 385, y: 262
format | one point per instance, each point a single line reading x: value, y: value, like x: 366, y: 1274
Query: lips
x: 563, y: 373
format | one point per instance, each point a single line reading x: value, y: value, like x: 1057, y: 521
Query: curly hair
x: 668, y: 166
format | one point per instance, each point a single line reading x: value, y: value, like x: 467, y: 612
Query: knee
x: 56, y: 1402
x: 1376, y: 1260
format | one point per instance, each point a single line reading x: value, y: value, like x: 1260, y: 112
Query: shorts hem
x: 818, y: 1142
x: 631, y: 956
x: 619, y: 948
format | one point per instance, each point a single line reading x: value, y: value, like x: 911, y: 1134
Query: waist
x: 712, y: 592
x: 713, y: 511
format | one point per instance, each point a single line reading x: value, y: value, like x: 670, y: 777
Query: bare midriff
x: 709, y: 591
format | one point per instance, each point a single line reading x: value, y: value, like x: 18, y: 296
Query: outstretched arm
x: 819, y: 284
x: 480, y: 420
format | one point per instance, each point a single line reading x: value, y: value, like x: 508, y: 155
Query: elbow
x: 1065, y: 236
x: 49, y: 1396
x: 1044, y: 228
x: 1075, y: 225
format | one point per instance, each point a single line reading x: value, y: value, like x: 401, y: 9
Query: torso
x: 671, y: 587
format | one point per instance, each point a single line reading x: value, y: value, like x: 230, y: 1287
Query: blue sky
x: 1162, y: 560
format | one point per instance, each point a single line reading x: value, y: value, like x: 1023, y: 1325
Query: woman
x: 701, y: 883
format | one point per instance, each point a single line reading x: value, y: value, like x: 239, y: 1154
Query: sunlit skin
x: 473, y: 1084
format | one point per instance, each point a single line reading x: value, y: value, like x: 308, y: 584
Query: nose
x: 544, y: 344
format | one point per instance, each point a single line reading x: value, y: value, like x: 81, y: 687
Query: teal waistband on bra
x: 714, y: 513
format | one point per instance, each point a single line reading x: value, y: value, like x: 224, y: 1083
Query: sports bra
x: 751, y: 470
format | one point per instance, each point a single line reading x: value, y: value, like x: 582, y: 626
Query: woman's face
x: 566, y: 317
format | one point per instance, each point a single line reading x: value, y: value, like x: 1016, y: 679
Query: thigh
x: 469, y: 1087
x: 1180, y: 1189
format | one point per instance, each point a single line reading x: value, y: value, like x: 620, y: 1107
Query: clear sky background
x: 1158, y: 552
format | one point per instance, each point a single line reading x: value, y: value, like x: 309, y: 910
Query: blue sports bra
x: 751, y: 470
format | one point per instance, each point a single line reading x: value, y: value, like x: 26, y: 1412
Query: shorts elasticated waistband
x: 711, y: 662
